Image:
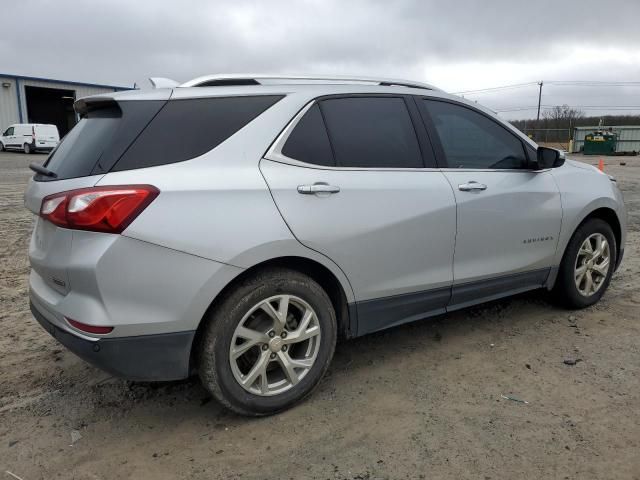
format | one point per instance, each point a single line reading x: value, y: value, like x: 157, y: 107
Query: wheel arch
x: 345, y: 317
x: 608, y: 215
x: 605, y: 213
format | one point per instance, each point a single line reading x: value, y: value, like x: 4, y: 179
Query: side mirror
x: 549, y: 158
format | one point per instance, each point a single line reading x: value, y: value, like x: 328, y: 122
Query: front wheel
x: 587, y: 265
x: 268, y: 343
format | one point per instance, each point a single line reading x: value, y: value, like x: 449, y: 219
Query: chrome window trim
x: 274, y: 153
x: 520, y: 170
x: 275, y: 150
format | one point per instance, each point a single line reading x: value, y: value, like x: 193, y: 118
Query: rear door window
x: 186, y: 129
x: 371, y: 132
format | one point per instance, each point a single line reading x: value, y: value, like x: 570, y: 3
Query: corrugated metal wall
x: 628, y: 137
x: 10, y: 111
x: 80, y: 91
x: 8, y: 102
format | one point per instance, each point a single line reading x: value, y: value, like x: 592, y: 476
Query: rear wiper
x: 42, y: 170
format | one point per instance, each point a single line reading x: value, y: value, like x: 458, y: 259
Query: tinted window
x: 471, y: 140
x: 8, y: 132
x: 308, y: 141
x: 81, y: 148
x: 185, y: 129
x: 371, y: 132
x: 100, y: 138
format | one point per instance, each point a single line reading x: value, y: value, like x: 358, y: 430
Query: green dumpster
x: 600, y: 143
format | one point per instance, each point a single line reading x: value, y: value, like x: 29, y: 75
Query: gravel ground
x: 419, y: 401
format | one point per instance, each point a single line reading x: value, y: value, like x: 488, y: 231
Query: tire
x: 275, y: 390
x: 26, y: 148
x: 571, y: 287
x: 1, y: 147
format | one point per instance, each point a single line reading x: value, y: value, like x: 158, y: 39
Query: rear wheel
x: 268, y: 343
x: 27, y: 148
x: 587, y: 265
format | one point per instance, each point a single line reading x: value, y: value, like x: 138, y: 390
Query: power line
x: 516, y: 109
x: 572, y: 83
x: 491, y: 89
x: 593, y: 83
x: 583, y: 107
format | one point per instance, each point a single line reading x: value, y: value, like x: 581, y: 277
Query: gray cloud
x: 456, y: 42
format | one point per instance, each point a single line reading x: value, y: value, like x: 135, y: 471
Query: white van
x: 30, y: 137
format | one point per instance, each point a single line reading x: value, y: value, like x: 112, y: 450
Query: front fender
x: 583, y: 190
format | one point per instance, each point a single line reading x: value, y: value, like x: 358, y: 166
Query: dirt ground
x: 420, y: 401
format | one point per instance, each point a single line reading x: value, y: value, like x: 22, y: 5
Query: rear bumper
x: 157, y: 357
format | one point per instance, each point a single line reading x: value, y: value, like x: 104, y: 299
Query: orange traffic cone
x: 601, y: 165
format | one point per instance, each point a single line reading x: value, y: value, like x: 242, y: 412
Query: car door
x: 7, y: 137
x: 509, y: 213
x: 364, y: 192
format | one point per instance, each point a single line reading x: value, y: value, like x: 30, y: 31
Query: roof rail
x: 260, y: 79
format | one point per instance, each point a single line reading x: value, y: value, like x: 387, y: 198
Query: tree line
x: 565, y: 117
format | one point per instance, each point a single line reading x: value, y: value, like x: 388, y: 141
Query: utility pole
x: 539, y: 100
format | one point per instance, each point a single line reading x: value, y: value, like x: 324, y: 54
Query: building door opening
x: 51, y: 105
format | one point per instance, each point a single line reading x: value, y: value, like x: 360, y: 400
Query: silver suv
x: 237, y: 226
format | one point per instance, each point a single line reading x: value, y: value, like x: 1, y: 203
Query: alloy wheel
x: 275, y: 345
x: 592, y: 264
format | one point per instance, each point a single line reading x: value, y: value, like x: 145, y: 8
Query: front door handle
x: 471, y: 186
x: 319, y: 187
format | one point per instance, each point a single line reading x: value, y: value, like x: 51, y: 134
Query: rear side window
x: 471, y: 140
x: 308, y: 142
x: 371, y: 132
x: 186, y: 129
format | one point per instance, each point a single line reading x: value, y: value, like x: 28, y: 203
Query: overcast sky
x: 457, y: 45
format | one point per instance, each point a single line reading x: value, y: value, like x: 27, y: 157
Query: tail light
x: 98, y: 209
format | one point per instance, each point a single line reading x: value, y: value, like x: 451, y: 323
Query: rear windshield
x: 100, y: 138
x: 137, y: 134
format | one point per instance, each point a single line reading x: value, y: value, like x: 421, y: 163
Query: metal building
x: 628, y: 137
x: 42, y: 100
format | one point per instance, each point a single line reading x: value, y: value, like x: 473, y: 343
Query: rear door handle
x: 471, y: 186
x: 319, y: 187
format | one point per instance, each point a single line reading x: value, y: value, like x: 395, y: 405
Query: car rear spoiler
x: 106, y: 100
x: 161, y: 82
x: 87, y: 104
